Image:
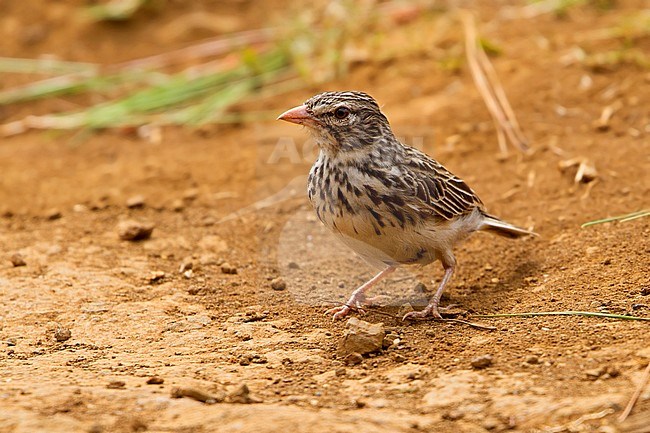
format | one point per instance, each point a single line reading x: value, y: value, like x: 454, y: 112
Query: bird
x: 389, y: 202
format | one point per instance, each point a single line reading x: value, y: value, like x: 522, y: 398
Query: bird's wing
x: 430, y: 186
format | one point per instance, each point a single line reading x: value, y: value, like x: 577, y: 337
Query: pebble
x: 242, y: 395
x: 353, y: 359
x: 156, y: 276
x: 17, y: 259
x: 186, y: 265
x: 278, y: 284
x: 135, y: 202
x: 178, y: 205
x: 293, y: 265
x: 131, y: 230
x: 361, y: 337
x: 62, y: 334
x: 190, y: 194
x: 453, y: 415
x: 645, y: 291
x: 116, y: 384
x: 227, y: 268
x: 53, y: 214
x: 532, y: 359
x: 595, y: 373
x: 390, y: 339
x: 198, y: 395
x: 481, y: 362
x: 155, y: 380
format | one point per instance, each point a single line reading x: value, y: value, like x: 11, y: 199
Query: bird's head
x: 342, y: 121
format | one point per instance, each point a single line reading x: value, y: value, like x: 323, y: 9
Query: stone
x: 227, y: 268
x: 135, y: 202
x: 361, y: 337
x: 278, y: 284
x: 62, y: 334
x: 132, y: 230
x: 17, y: 260
x: 53, y: 214
x: 481, y: 362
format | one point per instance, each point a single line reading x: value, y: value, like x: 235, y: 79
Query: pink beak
x: 297, y: 115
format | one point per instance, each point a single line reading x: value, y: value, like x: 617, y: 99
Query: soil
x: 90, y: 317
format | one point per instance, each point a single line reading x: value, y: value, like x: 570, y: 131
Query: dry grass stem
x: 635, y: 397
x: 491, y: 90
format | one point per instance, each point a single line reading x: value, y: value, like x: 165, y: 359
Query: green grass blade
x: 622, y: 218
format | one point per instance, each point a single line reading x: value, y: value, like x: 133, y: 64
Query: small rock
x: 186, y: 265
x: 62, y: 334
x: 645, y: 291
x: 481, y: 362
x: 155, y: 380
x: 340, y: 372
x: 491, y: 423
x: 278, y: 284
x: 135, y: 202
x: 190, y: 194
x: 242, y: 395
x: 79, y: 208
x: 131, y: 230
x: 227, y: 268
x: 188, y: 274
x: 390, y: 339
x: 361, y: 337
x: 399, y: 358
x: 532, y: 359
x: 116, y: 384
x: 11, y: 341
x: 453, y: 415
x: 293, y: 265
x: 353, y: 358
x: 178, y: 205
x: 53, y: 214
x: 156, y: 276
x: 595, y: 373
x: 18, y: 260
x: 198, y: 395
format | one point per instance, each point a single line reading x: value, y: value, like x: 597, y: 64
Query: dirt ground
x: 133, y: 315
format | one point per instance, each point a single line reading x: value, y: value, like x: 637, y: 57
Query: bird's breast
x: 367, y: 215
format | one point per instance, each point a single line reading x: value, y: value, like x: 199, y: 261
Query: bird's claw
x: 343, y: 310
x: 426, y: 314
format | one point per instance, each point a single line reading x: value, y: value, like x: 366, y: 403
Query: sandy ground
x: 132, y: 314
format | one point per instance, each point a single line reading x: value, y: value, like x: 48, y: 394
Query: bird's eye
x: 341, y: 113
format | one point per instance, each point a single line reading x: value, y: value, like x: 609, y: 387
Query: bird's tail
x: 502, y: 228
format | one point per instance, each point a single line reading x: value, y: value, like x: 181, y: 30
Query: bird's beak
x: 297, y: 115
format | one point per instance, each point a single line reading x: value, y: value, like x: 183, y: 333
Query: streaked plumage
x: 389, y: 202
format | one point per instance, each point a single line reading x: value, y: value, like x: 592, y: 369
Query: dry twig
x: 637, y: 393
x: 490, y: 88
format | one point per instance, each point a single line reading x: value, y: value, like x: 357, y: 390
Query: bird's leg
x: 432, y: 309
x: 358, y: 297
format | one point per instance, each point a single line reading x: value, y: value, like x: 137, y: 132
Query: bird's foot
x: 431, y: 312
x: 342, y: 311
x: 356, y: 303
